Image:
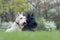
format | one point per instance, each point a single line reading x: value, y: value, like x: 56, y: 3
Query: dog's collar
x: 18, y: 24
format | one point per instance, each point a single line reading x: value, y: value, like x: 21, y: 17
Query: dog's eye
x: 20, y: 18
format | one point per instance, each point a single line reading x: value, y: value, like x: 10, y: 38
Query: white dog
x: 18, y: 23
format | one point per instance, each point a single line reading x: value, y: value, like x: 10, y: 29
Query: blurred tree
x: 18, y: 5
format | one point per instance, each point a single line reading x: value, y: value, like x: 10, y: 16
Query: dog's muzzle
x: 24, y: 23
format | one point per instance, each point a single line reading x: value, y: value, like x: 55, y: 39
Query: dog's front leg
x: 21, y: 28
x: 9, y: 30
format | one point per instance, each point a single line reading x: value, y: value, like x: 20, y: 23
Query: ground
x: 27, y: 35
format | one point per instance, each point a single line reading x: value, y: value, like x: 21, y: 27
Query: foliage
x: 18, y: 5
x: 40, y: 24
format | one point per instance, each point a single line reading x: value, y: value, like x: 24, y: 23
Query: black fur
x: 31, y: 23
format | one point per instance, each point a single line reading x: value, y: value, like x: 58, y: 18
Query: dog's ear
x: 22, y: 13
x: 32, y: 15
x: 18, y: 13
x: 28, y: 15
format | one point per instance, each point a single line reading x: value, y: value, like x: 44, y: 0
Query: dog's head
x: 30, y: 18
x: 31, y: 23
x: 21, y: 18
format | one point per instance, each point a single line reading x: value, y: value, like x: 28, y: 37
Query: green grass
x: 25, y: 35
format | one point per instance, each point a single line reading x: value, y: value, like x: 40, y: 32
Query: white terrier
x: 18, y: 23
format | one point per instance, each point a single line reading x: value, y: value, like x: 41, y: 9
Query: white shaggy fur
x: 18, y: 27
x: 14, y: 27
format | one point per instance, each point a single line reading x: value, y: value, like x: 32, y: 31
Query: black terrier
x: 31, y: 23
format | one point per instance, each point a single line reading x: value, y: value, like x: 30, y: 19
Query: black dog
x: 31, y: 23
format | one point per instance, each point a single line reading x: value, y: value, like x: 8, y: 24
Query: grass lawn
x: 25, y: 35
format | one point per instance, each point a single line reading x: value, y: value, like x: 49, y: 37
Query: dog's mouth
x: 24, y: 23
